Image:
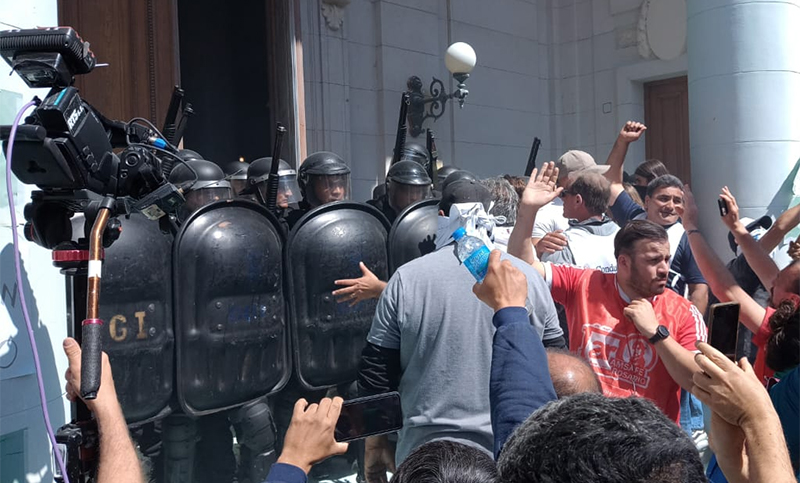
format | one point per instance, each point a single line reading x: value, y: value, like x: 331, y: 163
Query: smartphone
x: 369, y: 416
x: 723, y: 328
x: 723, y: 207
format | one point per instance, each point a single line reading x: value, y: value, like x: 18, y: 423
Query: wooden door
x: 138, y: 39
x: 666, y: 114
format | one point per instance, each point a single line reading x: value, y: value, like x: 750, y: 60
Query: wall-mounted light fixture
x: 459, y: 59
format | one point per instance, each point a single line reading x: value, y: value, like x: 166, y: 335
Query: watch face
x: 663, y: 332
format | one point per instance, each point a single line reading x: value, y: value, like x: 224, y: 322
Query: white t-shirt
x: 550, y: 218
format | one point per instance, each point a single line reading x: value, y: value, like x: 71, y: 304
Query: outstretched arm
x: 629, y: 133
x: 719, y: 279
x: 758, y: 259
x: 783, y: 225
x: 541, y: 189
x: 520, y: 380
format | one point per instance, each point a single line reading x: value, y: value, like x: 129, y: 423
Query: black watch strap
x: 661, y: 333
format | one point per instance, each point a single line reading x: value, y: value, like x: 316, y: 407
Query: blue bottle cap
x: 459, y: 234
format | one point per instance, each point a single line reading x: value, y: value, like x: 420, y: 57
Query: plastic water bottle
x: 473, y: 253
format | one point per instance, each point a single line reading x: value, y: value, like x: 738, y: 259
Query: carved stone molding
x: 333, y: 11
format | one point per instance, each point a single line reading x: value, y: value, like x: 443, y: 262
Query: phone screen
x: 724, y: 327
x: 369, y: 416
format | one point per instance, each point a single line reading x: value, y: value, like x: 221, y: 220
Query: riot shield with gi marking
x: 230, y: 313
x: 413, y: 233
x: 136, y: 303
x: 326, y: 245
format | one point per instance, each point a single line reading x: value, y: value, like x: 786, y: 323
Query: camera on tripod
x: 66, y: 145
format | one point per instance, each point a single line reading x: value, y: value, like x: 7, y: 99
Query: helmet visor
x: 197, y: 199
x: 288, y: 190
x: 403, y: 195
x: 325, y: 189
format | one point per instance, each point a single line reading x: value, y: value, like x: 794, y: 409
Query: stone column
x: 744, y: 106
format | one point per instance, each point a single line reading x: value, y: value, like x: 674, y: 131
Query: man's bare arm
x: 118, y: 460
x: 541, y: 189
x: 758, y: 259
x: 629, y: 133
x: 719, y: 278
x: 782, y: 226
x: 698, y: 295
x: 678, y: 361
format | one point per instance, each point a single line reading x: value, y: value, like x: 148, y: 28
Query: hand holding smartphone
x: 369, y: 416
x: 723, y: 328
x: 723, y: 207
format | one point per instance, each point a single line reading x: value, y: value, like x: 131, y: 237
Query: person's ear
x: 441, y: 213
x: 579, y: 199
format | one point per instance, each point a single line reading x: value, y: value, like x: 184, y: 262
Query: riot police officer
x: 323, y: 177
x: 443, y: 172
x: 406, y: 183
x: 288, y: 190
x: 236, y: 173
x: 203, y: 182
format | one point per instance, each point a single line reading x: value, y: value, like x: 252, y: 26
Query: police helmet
x: 324, y: 177
x: 415, y: 152
x: 236, y: 173
x: 406, y: 183
x: 203, y: 182
x: 444, y: 171
x: 258, y: 175
x: 459, y: 174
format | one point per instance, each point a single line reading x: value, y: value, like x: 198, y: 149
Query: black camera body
x: 66, y: 146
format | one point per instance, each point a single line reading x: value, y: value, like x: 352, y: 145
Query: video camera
x: 67, y: 146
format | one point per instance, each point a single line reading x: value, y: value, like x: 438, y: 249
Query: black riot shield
x: 230, y: 312
x: 326, y: 245
x: 413, y: 233
x: 136, y: 305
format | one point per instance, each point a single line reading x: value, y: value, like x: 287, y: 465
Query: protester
x: 547, y: 235
x: 644, y: 174
x: 428, y: 341
x: 664, y: 196
x: 571, y: 374
x: 786, y: 282
x: 504, y: 208
x: 637, y: 335
x: 586, y: 437
x: 590, y: 234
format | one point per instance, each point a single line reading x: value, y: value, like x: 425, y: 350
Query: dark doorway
x: 666, y: 114
x: 224, y: 52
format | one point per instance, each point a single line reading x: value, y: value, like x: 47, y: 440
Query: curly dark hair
x: 783, y: 346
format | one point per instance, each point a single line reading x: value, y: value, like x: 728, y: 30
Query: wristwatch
x: 661, y: 333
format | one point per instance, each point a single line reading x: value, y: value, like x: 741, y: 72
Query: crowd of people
x: 582, y: 355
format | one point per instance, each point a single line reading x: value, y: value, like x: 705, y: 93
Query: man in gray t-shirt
x: 431, y: 339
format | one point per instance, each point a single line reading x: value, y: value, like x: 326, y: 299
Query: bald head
x: 570, y: 374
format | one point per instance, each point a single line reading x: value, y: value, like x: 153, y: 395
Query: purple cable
x: 27, y: 316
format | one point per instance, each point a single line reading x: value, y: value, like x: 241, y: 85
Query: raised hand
x: 541, y: 188
x: 731, y: 220
x: 631, y: 132
x: 731, y: 390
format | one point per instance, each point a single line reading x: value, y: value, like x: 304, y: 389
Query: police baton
x: 272, y: 182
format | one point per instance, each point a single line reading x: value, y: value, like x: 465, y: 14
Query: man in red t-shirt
x: 638, y: 337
